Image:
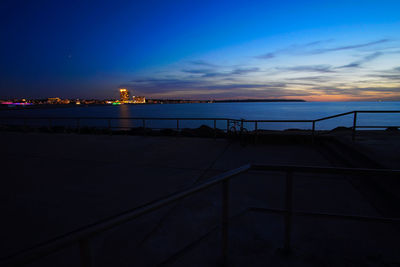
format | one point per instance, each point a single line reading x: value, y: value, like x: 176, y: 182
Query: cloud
x: 214, y: 74
x: 206, y: 89
x: 303, y: 49
x: 157, y: 80
x: 358, y: 63
x: 266, y: 93
x: 193, y: 83
x: 202, y: 63
x: 208, y: 81
x: 392, y: 77
x: 317, y: 42
x: 358, y: 91
x: 235, y: 86
x: 240, y: 71
x: 391, y: 74
x: 347, y: 47
x: 197, y: 71
x: 309, y: 68
x: 291, y: 49
x: 267, y: 55
x: 208, y: 73
x: 312, y: 78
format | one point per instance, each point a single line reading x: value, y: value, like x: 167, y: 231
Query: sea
x: 241, y: 110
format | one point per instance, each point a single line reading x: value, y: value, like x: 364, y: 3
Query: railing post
x: 215, y: 129
x: 109, y: 127
x: 288, y: 209
x: 50, y: 124
x: 144, y: 127
x: 256, y: 131
x: 353, y: 135
x: 227, y: 126
x: 177, y: 124
x: 78, y: 125
x: 313, y: 132
x: 86, y: 255
x: 224, y: 222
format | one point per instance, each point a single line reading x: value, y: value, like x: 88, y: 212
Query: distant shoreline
x: 186, y: 101
x: 46, y: 106
x: 260, y: 100
x: 153, y: 102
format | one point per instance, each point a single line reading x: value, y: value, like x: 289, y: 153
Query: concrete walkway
x: 55, y: 183
x: 382, y: 146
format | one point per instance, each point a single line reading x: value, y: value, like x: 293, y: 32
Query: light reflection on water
x: 124, y: 112
x: 255, y: 111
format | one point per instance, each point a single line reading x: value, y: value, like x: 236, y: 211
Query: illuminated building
x: 139, y: 99
x: 124, y: 95
x: 53, y: 100
x: 11, y: 104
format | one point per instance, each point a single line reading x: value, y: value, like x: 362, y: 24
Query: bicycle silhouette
x: 237, y: 131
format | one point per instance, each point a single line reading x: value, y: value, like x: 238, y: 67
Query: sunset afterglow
x: 311, y: 50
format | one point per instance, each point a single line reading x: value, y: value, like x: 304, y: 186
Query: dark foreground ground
x: 54, y: 183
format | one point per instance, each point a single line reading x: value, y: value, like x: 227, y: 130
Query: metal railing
x: 84, y: 235
x: 109, y: 121
x: 144, y: 120
x: 355, y: 126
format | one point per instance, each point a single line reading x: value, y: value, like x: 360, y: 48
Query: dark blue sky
x: 201, y: 49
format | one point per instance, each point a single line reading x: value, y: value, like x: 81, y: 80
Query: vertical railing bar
x: 225, y: 222
x: 353, y: 135
x: 109, y: 127
x: 144, y: 126
x: 256, y: 131
x: 215, y: 128
x: 288, y: 209
x: 227, y: 126
x: 313, y: 132
x: 177, y: 125
x: 78, y: 125
x: 86, y: 255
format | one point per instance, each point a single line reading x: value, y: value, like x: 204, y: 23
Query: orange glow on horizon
x: 345, y: 98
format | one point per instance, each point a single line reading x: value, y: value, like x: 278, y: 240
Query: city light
x: 124, y: 95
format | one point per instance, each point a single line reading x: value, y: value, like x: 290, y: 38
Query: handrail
x: 110, y: 118
x: 278, y: 120
x: 194, y: 118
x: 65, y: 240
x: 377, y: 111
x: 331, y: 170
x: 335, y: 116
x: 82, y: 235
x: 256, y: 129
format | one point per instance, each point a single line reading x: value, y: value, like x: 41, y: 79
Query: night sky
x: 312, y: 50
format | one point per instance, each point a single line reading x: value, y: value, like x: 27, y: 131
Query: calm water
x: 278, y: 110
